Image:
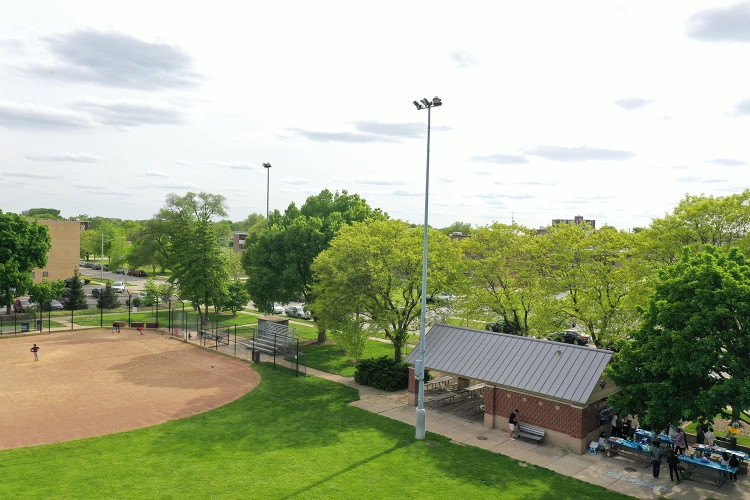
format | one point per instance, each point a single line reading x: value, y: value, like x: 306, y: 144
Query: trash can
x: 24, y: 327
x: 732, y: 443
x: 256, y: 356
x: 39, y: 325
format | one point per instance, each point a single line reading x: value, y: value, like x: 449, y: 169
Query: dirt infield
x: 94, y: 382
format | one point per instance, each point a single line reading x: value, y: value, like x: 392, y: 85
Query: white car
x: 278, y: 308
x: 298, y: 312
x: 118, y: 286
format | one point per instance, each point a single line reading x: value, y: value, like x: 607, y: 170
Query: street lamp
x: 267, y: 166
x: 101, y: 269
x: 419, y: 365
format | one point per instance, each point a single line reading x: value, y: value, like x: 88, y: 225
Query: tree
x: 74, y: 296
x: 237, y: 297
x: 42, y: 213
x: 107, y: 298
x: 688, y: 361
x: 591, y: 278
x: 199, y: 267
x: 278, y: 260
x: 500, y: 260
x: 373, y: 271
x: 42, y: 293
x: 91, y: 241
x: 23, y: 247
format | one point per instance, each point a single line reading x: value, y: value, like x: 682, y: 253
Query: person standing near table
x: 616, y: 425
x: 733, y: 462
x: 709, y: 435
x: 700, y: 436
x: 35, y: 350
x: 513, y: 422
x: 680, y: 441
x: 656, y: 456
x: 673, y: 463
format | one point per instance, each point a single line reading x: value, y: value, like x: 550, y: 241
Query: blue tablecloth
x: 722, y: 471
x: 634, y: 445
x: 663, y: 438
x: 718, y: 451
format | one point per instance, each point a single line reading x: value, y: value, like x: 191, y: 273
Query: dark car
x: 140, y: 273
x: 69, y: 282
x: 96, y: 267
x: 570, y: 337
x: 498, y: 326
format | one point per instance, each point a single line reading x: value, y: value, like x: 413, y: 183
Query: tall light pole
x: 419, y: 366
x: 101, y: 269
x: 267, y: 166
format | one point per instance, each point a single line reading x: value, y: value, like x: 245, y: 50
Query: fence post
x: 296, y: 371
x: 274, y: 348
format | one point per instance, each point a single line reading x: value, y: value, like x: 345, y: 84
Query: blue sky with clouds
x: 610, y: 110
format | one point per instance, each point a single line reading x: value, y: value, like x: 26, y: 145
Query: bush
x: 382, y: 373
x: 136, y: 301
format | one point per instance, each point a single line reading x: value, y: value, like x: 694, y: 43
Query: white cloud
x: 64, y: 157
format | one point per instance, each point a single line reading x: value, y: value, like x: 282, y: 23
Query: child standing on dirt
x: 35, y: 350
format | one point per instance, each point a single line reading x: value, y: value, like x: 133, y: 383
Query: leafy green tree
x: 74, y: 296
x: 42, y: 213
x: 591, y: 278
x: 91, y: 241
x: 107, y: 298
x: 199, y: 267
x: 23, y: 247
x: 500, y: 260
x: 42, y: 293
x: 237, y: 297
x: 689, y: 359
x: 373, y: 271
x: 278, y: 260
x: 695, y: 221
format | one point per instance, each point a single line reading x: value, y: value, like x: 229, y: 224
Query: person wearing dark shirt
x: 673, y: 463
x: 35, y: 350
x: 700, y: 437
x: 734, y: 462
x: 656, y: 456
x: 513, y: 422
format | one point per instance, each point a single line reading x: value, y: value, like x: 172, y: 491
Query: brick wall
x: 551, y: 415
x: 65, y: 252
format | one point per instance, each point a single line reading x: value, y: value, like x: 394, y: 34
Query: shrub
x: 382, y: 373
x: 136, y: 301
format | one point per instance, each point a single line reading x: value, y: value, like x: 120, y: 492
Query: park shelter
x: 556, y: 386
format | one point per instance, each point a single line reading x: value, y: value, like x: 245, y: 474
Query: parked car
x: 278, y: 308
x: 440, y: 297
x: 118, y: 286
x: 95, y: 292
x: 140, y: 273
x: 55, y: 305
x: 120, y: 271
x: 298, y: 312
x: 96, y: 267
x: 498, y: 326
x: 570, y: 337
x: 106, y: 267
x: 21, y: 305
x: 69, y: 282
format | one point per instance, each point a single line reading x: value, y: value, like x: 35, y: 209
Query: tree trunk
x: 321, y: 333
x: 397, y: 352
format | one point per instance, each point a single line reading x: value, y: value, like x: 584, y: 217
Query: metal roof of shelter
x: 551, y: 369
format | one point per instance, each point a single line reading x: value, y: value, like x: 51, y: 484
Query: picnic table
x: 437, y: 383
x: 444, y: 398
x: 469, y: 406
x: 473, y: 389
x: 693, y: 463
x: 663, y: 438
x: 708, y: 450
x: 619, y: 444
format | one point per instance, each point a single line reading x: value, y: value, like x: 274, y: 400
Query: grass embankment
x: 289, y: 438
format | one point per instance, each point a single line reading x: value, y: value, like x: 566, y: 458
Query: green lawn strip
x: 11, y: 327
x: 289, y: 438
x: 741, y: 440
x: 330, y: 358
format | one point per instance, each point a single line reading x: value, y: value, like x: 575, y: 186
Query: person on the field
x: 35, y: 350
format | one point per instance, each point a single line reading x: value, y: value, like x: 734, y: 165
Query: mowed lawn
x: 289, y: 438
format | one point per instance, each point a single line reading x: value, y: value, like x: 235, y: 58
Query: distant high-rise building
x: 578, y: 220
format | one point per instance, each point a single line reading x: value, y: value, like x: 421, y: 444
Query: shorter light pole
x: 129, y: 304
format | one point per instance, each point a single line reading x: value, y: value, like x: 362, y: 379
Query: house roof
x: 551, y: 369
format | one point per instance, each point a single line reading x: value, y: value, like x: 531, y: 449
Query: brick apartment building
x: 578, y: 220
x: 558, y: 387
x: 64, y: 255
x: 239, y: 242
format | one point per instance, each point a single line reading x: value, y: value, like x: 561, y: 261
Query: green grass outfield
x: 289, y: 438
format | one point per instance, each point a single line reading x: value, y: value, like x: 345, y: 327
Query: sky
x: 610, y: 110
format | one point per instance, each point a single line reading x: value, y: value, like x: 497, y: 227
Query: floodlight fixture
x: 436, y: 101
x: 419, y: 106
x: 426, y: 102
